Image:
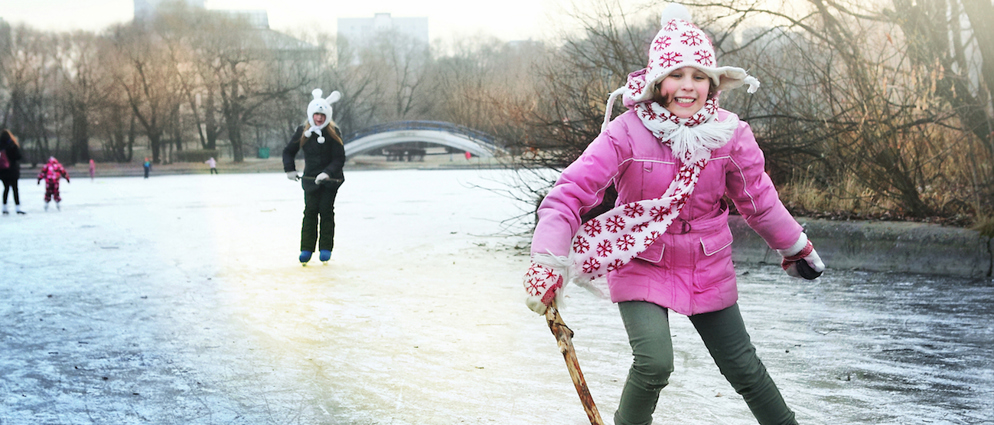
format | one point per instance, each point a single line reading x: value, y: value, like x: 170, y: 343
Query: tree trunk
x: 210, y: 120
x: 80, y: 145
x: 177, y: 129
x: 980, y: 13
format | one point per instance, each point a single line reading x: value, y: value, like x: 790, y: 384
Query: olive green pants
x: 726, y: 338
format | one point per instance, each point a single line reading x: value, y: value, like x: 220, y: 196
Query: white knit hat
x: 320, y: 106
x: 680, y: 43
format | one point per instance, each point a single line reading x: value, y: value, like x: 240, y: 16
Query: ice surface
x: 179, y: 299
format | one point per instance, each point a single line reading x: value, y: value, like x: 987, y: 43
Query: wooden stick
x: 564, y: 337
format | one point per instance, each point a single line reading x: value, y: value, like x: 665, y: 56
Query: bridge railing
x: 462, y: 130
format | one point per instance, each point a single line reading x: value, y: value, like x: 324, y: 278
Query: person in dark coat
x: 10, y: 168
x: 324, y: 158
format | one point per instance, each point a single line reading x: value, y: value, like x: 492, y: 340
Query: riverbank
x: 881, y: 246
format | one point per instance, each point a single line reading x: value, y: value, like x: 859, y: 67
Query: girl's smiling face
x: 684, y: 91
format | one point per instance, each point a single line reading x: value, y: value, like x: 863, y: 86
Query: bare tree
x: 863, y: 92
x: 85, y: 87
x: 142, y: 70
x: 30, y: 78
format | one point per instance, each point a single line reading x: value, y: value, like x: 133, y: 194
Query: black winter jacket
x: 327, y: 157
x: 14, y: 158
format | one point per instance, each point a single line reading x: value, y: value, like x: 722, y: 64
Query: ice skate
x: 58, y: 206
x: 18, y: 208
x: 305, y: 256
x: 5, y: 212
x: 325, y: 256
x: 46, y: 206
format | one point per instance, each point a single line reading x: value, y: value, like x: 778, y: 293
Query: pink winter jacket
x: 688, y: 269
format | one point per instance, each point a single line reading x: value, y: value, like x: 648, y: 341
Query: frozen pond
x: 179, y: 300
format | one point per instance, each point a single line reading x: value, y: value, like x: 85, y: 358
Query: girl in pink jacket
x: 673, y: 157
x: 52, y: 172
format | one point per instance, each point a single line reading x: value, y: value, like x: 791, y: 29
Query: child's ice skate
x: 18, y: 208
x: 305, y: 256
x: 325, y: 256
x: 58, y: 206
x: 46, y: 206
x: 5, y: 209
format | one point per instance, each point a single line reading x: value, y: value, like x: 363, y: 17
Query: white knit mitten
x: 802, y: 250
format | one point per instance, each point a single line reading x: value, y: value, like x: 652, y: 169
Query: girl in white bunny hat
x: 674, y: 157
x: 324, y: 158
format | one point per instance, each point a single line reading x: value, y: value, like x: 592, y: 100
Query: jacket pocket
x: 654, y: 253
x: 716, y: 242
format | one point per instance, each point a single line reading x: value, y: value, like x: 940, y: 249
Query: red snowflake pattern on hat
x: 691, y: 38
x: 661, y: 43
x: 704, y: 57
x: 668, y: 59
x: 635, y: 86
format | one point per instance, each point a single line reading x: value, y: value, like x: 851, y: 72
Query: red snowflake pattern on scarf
x: 634, y: 210
x: 626, y: 242
x: 614, y: 224
x: 592, y: 227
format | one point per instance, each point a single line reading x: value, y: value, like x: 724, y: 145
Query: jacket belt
x: 681, y: 226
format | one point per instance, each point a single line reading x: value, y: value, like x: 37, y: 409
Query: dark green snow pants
x: 726, y: 338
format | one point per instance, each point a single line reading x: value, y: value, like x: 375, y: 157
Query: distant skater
x: 213, y: 164
x: 147, y: 165
x: 10, y: 168
x: 93, y: 170
x: 324, y: 158
x: 52, y: 172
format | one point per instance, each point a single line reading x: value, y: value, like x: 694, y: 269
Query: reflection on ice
x: 179, y: 300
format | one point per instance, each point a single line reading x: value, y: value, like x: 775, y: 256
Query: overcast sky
x: 505, y: 19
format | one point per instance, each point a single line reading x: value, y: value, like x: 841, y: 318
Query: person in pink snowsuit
x: 673, y: 157
x: 52, y: 172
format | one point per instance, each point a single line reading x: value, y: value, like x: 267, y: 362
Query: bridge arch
x: 443, y: 133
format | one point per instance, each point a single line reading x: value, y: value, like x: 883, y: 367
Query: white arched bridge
x: 438, y: 132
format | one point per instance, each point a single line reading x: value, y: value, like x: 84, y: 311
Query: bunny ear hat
x: 320, y: 105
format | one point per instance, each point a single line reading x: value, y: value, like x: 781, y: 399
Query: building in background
x: 361, y: 31
x: 145, y: 10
